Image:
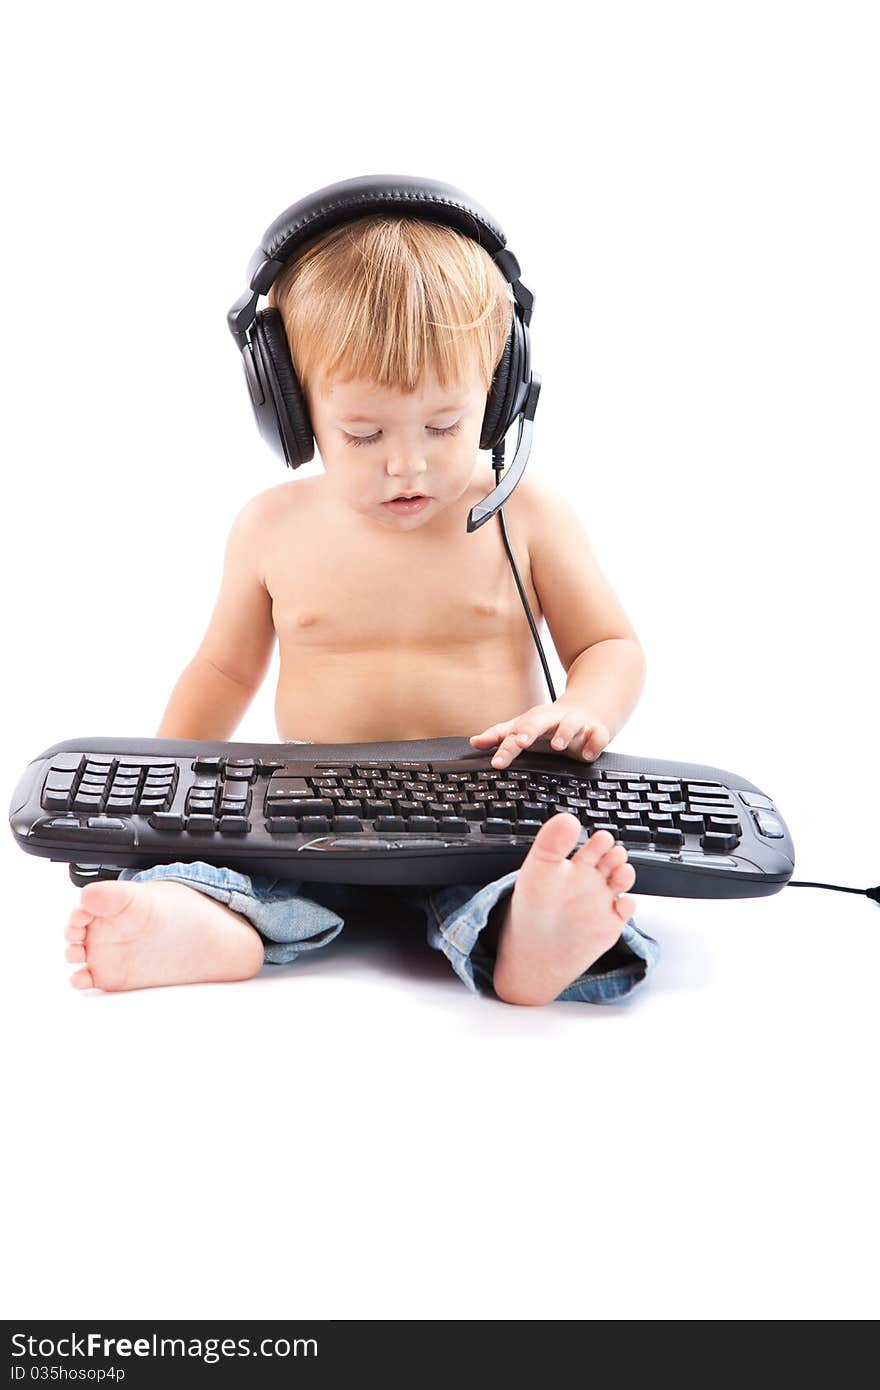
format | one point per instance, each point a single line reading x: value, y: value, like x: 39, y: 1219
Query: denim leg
x: 457, y: 914
x: 288, y: 922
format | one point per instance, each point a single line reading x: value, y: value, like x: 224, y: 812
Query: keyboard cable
x: 838, y: 887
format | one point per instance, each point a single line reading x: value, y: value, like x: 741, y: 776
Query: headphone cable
x: 498, y: 466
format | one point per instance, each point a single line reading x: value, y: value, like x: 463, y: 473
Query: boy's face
x: 377, y: 442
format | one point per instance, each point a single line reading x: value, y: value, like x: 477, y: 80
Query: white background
x: 691, y: 192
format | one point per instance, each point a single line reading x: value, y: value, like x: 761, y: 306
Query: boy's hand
x: 573, y: 731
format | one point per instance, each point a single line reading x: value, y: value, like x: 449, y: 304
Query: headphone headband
x: 401, y: 196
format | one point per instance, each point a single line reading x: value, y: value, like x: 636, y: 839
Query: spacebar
x: 387, y: 842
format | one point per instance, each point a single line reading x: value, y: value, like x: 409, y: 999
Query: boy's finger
x: 566, y: 732
x: 510, y: 748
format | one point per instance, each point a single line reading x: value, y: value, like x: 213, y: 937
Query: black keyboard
x: 425, y: 812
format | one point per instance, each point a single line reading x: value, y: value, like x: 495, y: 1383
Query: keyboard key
x: 55, y: 801
x: 348, y: 823
x: 283, y: 825
x: 769, y: 825
x: 59, y: 781
x: 308, y: 806
x: 455, y: 823
x: 112, y: 829
x: 714, y: 843
x: 61, y: 828
x: 635, y: 835
x: 235, y: 791
x: 389, y: 823
x: 164, y: 820
x: 707, y: 860
x: 234, y: 825
x: 207, y: 764
x: 528, y: 827
x: 67, y: 762
x: 241, y: 769
x: 755, y: 799
x: 282, y: 785
x: 494, y: 826
x: 200, y: 824
x: 668, y: 839
x: 312, y: 823
x: 421, y: 823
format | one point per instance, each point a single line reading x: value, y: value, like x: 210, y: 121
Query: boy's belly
x: 382, y: 696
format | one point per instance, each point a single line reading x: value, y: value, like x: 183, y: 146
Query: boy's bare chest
x: 344, y: 592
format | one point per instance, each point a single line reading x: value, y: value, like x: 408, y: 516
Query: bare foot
x: 563, y: 913
x: 135, y: 935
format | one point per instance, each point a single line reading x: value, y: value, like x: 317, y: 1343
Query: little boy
x: 396, y: 623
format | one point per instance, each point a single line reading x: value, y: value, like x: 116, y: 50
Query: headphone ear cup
x: 508, y: 391
x: 283, y: 418
x: 490, y: 434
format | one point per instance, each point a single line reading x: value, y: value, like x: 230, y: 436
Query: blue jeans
x: 291, y: 923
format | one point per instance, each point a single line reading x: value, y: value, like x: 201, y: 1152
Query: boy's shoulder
x: 279, y: 502
x: 541, y: 503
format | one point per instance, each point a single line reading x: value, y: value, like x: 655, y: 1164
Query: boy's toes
x: 621, y: 878
x: 615, y: 857
x: 625, y: 906
x: 82, y: 979
x: 595, y: 848
x: 75, y: 954
x: 106, y: 898
x: 556, y: 839
x: 77, y: 923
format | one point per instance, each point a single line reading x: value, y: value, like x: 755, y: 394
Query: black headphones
x: 277, y: 398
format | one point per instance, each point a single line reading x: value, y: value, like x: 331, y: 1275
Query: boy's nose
x: 412, y: 467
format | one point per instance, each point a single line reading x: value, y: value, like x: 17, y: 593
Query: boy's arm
x: 594, y: 639
x: 216, y: 687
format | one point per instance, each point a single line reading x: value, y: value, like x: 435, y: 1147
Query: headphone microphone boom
x: 276, y: 395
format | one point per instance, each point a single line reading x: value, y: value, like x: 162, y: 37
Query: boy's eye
x: 357, y: 441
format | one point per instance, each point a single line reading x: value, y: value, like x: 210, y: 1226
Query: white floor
x: 358, y: 1136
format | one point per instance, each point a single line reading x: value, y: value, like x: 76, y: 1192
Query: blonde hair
x: 385, y: 299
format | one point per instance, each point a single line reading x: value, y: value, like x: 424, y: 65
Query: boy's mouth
x: 407, y: 502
